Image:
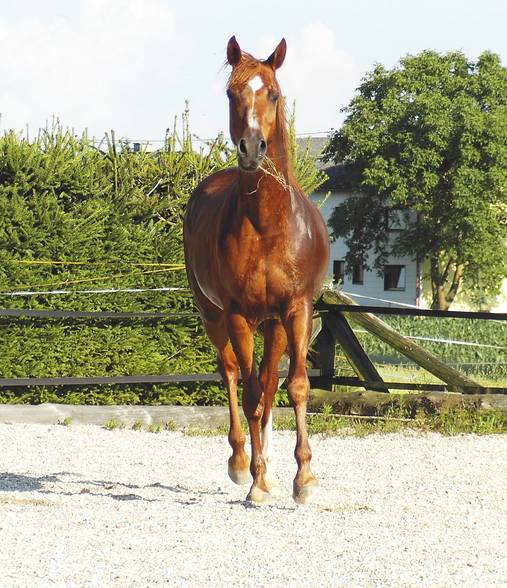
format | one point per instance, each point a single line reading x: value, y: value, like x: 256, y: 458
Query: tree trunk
x: 443, y: 294
x: 456, y: 282
x: 438, y: 299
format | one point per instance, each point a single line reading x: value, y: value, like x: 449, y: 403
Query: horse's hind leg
x: 238, y: 465
x: 275, y: 343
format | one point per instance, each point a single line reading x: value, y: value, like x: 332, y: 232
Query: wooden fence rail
x: 335, y: 310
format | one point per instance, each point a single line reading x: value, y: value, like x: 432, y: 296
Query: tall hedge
x: 102, y: 216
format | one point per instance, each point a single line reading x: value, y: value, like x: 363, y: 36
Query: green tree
x: 304, y: 160
x: 429, y: 136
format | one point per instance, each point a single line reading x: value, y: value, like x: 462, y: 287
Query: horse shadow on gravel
x: 10, y: 482
x: 23, y: 483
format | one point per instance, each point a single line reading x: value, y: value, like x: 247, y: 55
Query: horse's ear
x: 233, y: 51
x: 275, y: 60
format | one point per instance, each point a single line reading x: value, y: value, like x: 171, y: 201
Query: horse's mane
x: 245, y: 70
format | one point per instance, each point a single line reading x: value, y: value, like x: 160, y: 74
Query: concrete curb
x: 181, y: 416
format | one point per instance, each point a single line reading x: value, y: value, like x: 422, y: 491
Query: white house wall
x: 373, y: 284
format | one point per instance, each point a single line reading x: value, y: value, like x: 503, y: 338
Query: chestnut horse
x: 256, y: 252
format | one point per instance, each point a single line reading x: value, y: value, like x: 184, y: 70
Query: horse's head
x: 255, y: 103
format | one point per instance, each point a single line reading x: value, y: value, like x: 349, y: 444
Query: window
x: 338, y: 271
x: 358, y: 273
x: 395, y: 220
x: 394, y: 277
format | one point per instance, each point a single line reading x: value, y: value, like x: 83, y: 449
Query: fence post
x: 384, y: 332
x: 353, y: 350
x: 323, y: 356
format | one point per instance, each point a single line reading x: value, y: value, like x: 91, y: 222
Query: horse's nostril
x: 242, y: 146
x: 263, y: 146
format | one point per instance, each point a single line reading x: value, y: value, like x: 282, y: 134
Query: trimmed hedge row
x: 62, y: 199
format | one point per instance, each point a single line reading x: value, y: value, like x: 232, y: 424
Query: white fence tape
x: 450, y: 341
x: 106, y: 291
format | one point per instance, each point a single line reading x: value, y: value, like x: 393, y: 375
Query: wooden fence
x: 336, y: 310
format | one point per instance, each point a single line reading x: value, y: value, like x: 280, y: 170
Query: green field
x: 475, y: 347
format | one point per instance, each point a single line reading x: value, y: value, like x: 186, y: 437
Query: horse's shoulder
x: 301, y: 198
x: 209, y: 197
x: 309, y: 210
x: 216, y: 184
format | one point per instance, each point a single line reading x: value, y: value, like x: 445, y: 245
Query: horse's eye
x: 230, y: 95
x: 273, y: 96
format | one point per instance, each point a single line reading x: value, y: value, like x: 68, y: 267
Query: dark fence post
x: 323, y: 356
x: 354, y: 351
x: 331, y: 299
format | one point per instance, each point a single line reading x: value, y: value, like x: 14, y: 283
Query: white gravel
x: 82, y: 506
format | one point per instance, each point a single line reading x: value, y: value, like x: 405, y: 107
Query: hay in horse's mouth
x: 271, y: 170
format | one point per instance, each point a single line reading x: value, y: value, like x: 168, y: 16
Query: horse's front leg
x: 238, y: 462
x: 298, y: 325
x: 241, y: 335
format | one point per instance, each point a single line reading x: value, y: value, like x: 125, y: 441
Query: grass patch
x: 114, y: 424
x: 194, y: 431
x: 154, y: 428
x: 449, y: 422
x: 456, y: 421
x: 66, y: 422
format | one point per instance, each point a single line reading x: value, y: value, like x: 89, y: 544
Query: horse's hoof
x: 240, y: 477
x: 304, y: 494
x: 258, y: 495
x: 273, y: 485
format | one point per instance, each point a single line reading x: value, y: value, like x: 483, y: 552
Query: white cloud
x: 319, y: 76
x: 92, y: 69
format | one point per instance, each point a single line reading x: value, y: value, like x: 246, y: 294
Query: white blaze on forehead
x: 256, y: 83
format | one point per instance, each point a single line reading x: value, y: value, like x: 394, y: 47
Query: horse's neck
x: 263, y: 199
x: 266, y: 197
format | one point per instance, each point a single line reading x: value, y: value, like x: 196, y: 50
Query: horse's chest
x: 261, y: 272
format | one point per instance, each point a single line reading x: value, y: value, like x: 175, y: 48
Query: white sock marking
x: 267, y: 439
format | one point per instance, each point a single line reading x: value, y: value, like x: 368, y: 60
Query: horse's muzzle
x: 251, y: 151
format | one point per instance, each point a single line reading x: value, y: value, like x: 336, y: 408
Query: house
x: 404, y: 280
x: 399, y: 283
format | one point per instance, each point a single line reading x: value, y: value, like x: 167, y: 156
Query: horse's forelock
x: 244, y: 71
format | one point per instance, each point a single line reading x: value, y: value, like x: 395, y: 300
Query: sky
x: 130, y: 65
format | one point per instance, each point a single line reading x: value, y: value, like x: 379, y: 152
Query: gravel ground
x: 82, y: 506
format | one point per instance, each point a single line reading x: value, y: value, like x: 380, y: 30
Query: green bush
x: 110, y: 209
x: 109, y: 216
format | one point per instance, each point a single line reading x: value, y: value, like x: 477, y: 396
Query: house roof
x: 317, y: 145
x: 338, y: 177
